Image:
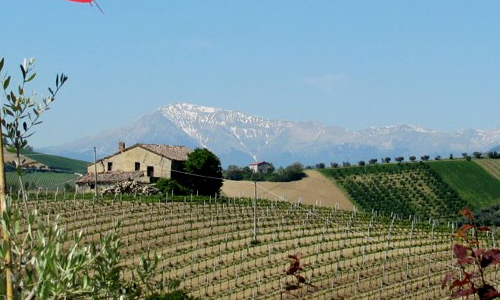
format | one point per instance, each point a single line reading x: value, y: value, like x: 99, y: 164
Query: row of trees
x: 292, y: 172
x: 411, y: 158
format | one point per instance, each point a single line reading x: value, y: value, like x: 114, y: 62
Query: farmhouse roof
x: 110, y: 177
x: 178, y: 153
x: 260, y: 163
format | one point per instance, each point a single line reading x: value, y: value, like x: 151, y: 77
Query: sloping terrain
x: 58, y: 162
x: 10, y: 157
x: 45, y: 171
x: 407, y: 189
x: 491, y: 166
x: 313, y: 189
x: 473, y: 183
x: 207, y: 246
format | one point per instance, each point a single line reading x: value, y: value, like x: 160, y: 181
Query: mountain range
x: 240, y: 139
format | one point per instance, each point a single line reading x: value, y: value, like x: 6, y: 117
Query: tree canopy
x: 204, y: 172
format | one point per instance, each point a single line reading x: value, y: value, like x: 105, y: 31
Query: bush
x: 168, y: 186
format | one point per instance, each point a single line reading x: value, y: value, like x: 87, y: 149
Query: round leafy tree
x: 204, y: 172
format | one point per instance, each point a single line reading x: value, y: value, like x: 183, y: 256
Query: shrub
x: 167, y: 186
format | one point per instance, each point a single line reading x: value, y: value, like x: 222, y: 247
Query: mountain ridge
x: 238, y: 138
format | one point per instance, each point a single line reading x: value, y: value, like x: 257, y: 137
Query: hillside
x: 472, y: 182
x: 491, y: 166
x: 58, y: 163
x: 407, y: 189
x: 10, y: 157
x: 313, y: 189
x: 47, y: 171
x: 207, y: 246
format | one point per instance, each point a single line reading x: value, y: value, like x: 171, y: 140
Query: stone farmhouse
x: 144, y: 163
x: 260, y: 167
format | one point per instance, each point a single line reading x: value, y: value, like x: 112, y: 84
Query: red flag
x: 88, y: 1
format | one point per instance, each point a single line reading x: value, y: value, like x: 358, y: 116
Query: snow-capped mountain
x: 238, y: 138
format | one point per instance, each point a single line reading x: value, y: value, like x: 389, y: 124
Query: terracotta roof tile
x: 110, y: 177
x: 179, y: 153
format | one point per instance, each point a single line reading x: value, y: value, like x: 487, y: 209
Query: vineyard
x: 208, y: 245
x: 410, y: 189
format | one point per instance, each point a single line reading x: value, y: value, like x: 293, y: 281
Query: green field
x: 45, y: 180
x: 492, y: 166
x: 473, y: 183
x: 58, y: 162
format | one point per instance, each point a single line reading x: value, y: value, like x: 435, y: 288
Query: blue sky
x: 353, y: 64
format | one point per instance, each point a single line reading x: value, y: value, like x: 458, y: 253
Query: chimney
x: 121, y: 146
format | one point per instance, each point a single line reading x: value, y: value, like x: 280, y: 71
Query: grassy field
x: 58, y: 162
x: 44, y: 180
x: 207, y: 245
x: 472, y: 182
x: 492, y: 166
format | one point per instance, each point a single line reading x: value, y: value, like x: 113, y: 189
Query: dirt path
x: 314, y: 189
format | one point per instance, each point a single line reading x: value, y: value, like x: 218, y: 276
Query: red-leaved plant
x: 296, y: 267
x: 471, y: 260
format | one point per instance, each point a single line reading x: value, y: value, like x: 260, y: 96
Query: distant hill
x: 45, y: 171
x: 437, y: 189
x: 10, y: 158
x: 497, y: 149
x: 58, y: 163
x: 240, y: 139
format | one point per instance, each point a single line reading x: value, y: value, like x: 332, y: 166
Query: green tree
x: 203, y: 172
x: 22, y: 111
x: 234, y: 172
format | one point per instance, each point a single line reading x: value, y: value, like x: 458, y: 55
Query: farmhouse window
x: 150, y: 171
x: 110, y: 166
x: 137, y: 166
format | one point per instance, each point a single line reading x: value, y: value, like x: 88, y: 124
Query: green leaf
x: 1, y: 63
x: 23, y: 70
x: 7, y: 111
x: 31, y: 77
x: 6, y: 83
